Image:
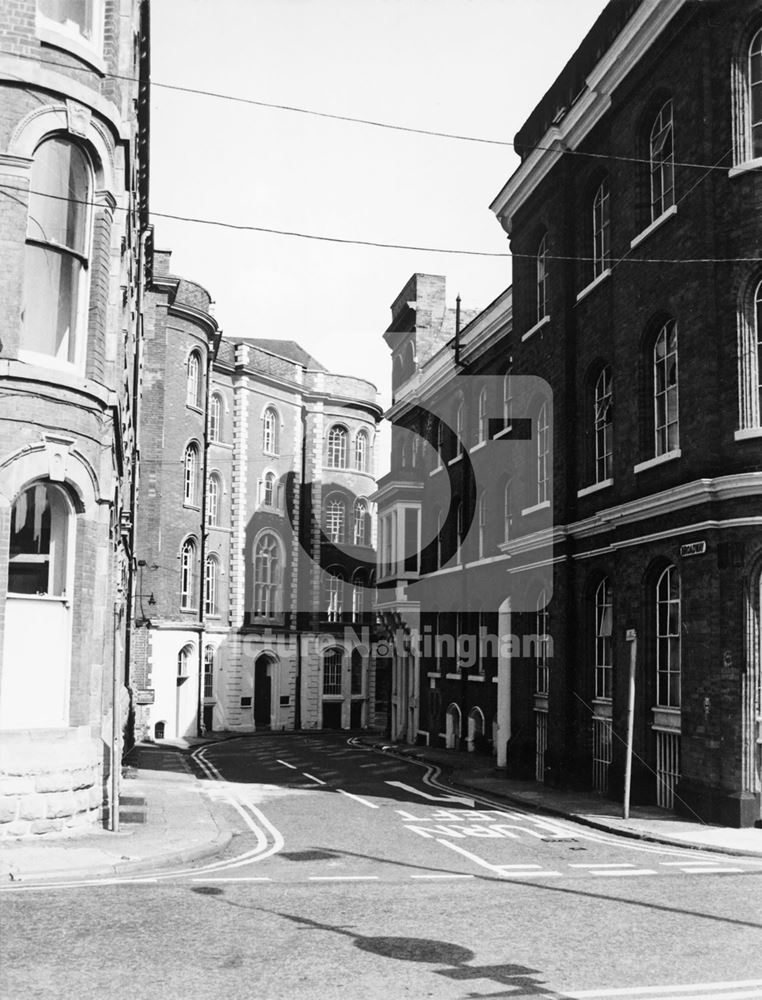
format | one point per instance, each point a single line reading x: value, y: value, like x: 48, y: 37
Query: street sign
x: 145, y: 697
x: 693, y: 549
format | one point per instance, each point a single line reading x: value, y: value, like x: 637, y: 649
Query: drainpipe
x: 211, y: 357
x: 301, y: 521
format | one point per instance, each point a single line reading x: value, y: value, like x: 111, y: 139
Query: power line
x: 242, y: 227
x: 370, y: 122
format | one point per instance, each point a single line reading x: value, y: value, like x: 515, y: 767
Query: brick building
x: 237, y: 627
x: 73, y: 231
x: 627, y: 517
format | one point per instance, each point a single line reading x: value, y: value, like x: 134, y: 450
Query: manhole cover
x: 306, y: 855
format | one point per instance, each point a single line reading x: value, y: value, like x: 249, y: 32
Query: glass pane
x: 50, y: 302
x: 39, y: 527
x: 59, y: 195
x: 74, y: 14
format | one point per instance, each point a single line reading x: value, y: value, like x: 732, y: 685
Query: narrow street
x: 360, y: 874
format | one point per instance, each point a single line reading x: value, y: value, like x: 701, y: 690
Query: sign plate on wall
x: 693, y: 549
x: 146, y: 697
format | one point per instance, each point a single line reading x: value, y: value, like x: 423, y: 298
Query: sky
x: 472, y: 67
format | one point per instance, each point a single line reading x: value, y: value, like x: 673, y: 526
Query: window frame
x: 209, y: 666
x: 215, y: 418
x: 59, y: 558
x: 542, y: 453
x: 268, y: 586
x: 603, y: 607
x: 663, y: 444
x: 188, y: 574
x: 541, y: 279
x: 213, y: 497
x: 542, y: 669
x: 191, y: 458
x: 337, y: 441
x: 335, y: 526
x: 603, y: 425
x: 270, y: 430
x: 662, y: 167
x: 601, y: 228
x: 193, y: 379
x: 362, y: 451
x: 332, y: 681
x: 668, y: 641
x: 211, y: 586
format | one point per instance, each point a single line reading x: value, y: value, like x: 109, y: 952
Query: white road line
x: 631, y: 991
x: 285, y: 763
x: 712, y: 871
x: 528, y: 874
x: 344, y: 878
x: 523, y: 868
x: 450, y: 799
x: 313, y: 778
x: 619, y: 873
x: 527, y: 871
x: 600, y: 866
x: 234, y: 878
x: 357, y: 798
x: 441, y: 876
x: 718, y: 861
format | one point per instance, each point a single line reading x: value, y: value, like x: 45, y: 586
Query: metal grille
x: 667, y: 768
x: 541, y: 744
x: 601, y: 754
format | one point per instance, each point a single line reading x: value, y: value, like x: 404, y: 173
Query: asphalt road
x: 362, y: 875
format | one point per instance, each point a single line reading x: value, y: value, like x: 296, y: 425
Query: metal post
x: 116, y: 755
x: 632, y: 638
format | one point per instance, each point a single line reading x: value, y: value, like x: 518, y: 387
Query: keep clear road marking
x: 357, y: 798
x: 527, y: 871
x: 431, y: 798
x: 709, y: 989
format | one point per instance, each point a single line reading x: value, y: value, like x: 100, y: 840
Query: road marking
x: 629, y: 991
x: 712, y: 871
x: 344, y: 878
x: 527, y: 874
x: 600, y: 866
x: 441, y: 876
x: 714, y: 861
x: 285, y: 763
x: 313, y: 778
x: 234, y: 878
x: 431, y: 798
x: 357, y: 798
x: 624, y: 871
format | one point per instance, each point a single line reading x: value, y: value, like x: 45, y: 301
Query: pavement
x: 167, y: 821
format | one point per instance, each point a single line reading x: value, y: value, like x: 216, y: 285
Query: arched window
x: 335, y: 520
x: 334, y: 596
x: 601, y: 228
x: 508, y: 511
x: 215, y: 417
x: 360, y: 518
x: 459, y: 532
x: 54, y: 305
x: 541, y: 278
x: 358, y: 595
x: 333, y: 662
x: 337, y: 447
x: 602, y: 425
x: 190, y: 463
x: 267, y: 576
x: 603, y: 633
x: 39, y: 544
x: 543, y: 454
x: 460, y: 428
x: 211, y: 585
x: 755, y: 95
x: 187, y: 574
x: 662, y: 161
x: 209, y: 672
x: 666, y: 422
x: 749, y: 314
x: 483, y: 428
x: 361, y: 452
x: 542, y: 670
x: 481, y: 509
x: 213, y: 494
x: 193, y: 379
x: 668, y: 639
x: 270, y: 431
x: 508, y: 397
x: 184, y: 661
x: 439, y: 457
x: 268, y: 489
x: 356, y: 677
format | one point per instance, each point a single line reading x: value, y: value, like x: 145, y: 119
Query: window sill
x: 435, y: 471
x: 479, y: 678
x: 533, y: 329
x: 668, y: 456
x: 191, y: 506
x: 50, y: 33
x: 672, y: 210
x: 746, y: 167
x: 602, y: 485
x: 457, y: 458
x: 478, y: 447
x: 52, y: 362
x: 594, y: 284
x: 434, y: 673
x: 452, y: 677
x: 504, y: 432
x: 193, y: 406
x: 545, y: 505
x: 746, y: 433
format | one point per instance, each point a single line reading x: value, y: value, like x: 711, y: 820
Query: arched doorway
x: 452, y: 727
x: 263, y: 671
x: 476, y: 727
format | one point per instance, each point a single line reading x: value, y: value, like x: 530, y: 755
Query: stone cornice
x: 620, y: 58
